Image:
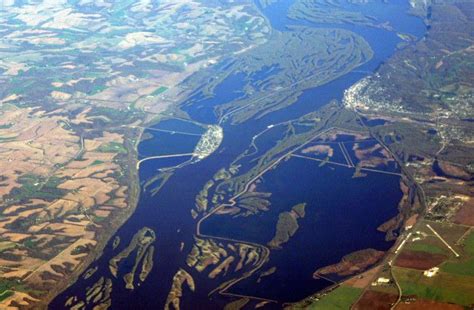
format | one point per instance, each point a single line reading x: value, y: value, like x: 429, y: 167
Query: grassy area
x: 443, y: 287
x: 97, y: 162
x: 9, y: 287
x: 159, y: 90
x: 98, y: 219
x: 469, y: 244
x: 5, y: 294
x: 35, y: 186
x: 425, y: 247
x: 30, y: 243
x: 341, y: 298
x: 6, y: 126
x: 113, y: 147
x: 97, y: 89
x: 460, y: 268
x: 450, y: 232
x: 8, y: 139
x: 5, y: 245
x: 465, y: 264
x: 122, y: 116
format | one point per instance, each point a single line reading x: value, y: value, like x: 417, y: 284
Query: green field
x: 159, y: 90
x: 421, y: 246
x: 97, y: 162
x: 113, y: 147
x: 9, y: 287
x: 465, y: 264
x: 36, y: 186
x: 443, y: 287
x: 5, y: 294
x: 450, y: 232
x: 341, y: 298
x: 460, y: 268
x: 5, y: 245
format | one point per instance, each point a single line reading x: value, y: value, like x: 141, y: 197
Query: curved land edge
x: 433, y: 143
x: 113, y: 225
x: 391, y: 254
x: 412, y: 187
x: 223, y: 288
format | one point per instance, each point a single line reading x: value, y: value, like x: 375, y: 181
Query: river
x: 168, y: 213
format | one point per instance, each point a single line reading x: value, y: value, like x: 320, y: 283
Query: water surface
x: 324, y: 234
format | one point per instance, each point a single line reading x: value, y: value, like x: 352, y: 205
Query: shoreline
x: 114, y: 225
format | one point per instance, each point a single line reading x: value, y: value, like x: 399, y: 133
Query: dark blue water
x: 167, y: 143
x: 383, y: 43
x: 336, y: 223
x: 383, y: 11
x: 168, y: 213
x: 337, y: 156
x: 300, y: 180
x: 151, y: 167
x: 180, y: 125
x: 230, y: 89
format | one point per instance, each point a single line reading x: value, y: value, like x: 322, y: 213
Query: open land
x: 426, y: 129
x: 78, y: 88
x: 78, y: 85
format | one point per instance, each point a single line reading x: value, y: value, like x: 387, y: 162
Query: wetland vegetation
x: 262, y: 167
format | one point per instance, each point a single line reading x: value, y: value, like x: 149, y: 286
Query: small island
x: 287, y: 225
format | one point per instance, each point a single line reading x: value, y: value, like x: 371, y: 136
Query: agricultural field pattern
x: 240, y: 154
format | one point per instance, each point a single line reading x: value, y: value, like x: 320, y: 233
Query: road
x: 232, y: 201
x: 161, y: 156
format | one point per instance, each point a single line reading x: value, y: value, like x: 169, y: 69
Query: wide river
x: 168, y: 213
